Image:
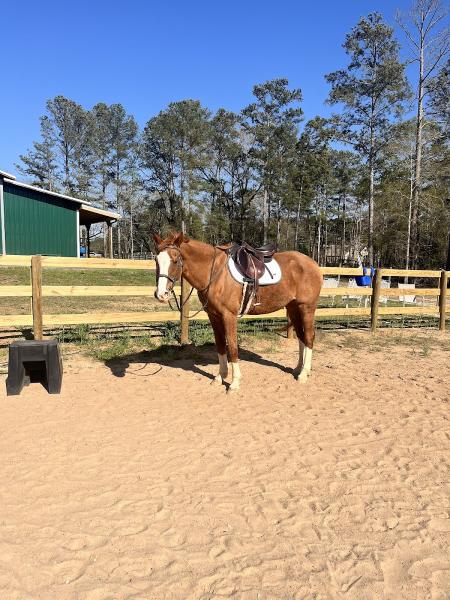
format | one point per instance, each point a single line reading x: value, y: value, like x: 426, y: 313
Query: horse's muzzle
x: 163, y: 298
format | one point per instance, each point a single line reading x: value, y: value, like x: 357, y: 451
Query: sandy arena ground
x: 159, y: 486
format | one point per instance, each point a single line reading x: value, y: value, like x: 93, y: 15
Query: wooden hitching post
x: 375, y: 300
x: 443, y: 300
x: 36, y: 296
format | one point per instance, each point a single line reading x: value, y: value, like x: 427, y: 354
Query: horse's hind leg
x: 302, y: 317
x: 221, y: 345
x: 230, y: 322
x: 296, y: 319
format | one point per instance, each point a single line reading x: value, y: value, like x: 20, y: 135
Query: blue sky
x: 147, y: 54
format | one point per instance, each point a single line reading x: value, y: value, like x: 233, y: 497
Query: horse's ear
x: 157, y: 238
x: 180, y: 238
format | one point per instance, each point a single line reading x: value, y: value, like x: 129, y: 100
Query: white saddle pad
x: 272, y: 274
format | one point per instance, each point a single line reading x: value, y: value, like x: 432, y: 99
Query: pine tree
x: 372, y: 90
x: 439, y: 99
x: 272, y: 123
x: 40, y: 163
x: 430, y: 45
x: 123, y: 131
x: 219, y: 173
x: 311, y: 179
x: 172, y: 149
x: 101, y: 143
x: 70, y: 129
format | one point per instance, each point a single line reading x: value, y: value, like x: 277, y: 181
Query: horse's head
x: 169, y: 264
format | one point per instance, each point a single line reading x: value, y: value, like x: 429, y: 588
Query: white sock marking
x: 304, y: 365
x: 236, y: 370
x: 307, y: 359
x: 236, y: 379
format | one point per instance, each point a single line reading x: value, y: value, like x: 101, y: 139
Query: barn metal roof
x: 89, y: 213
x: 6, y: 175
x: 43, y: 191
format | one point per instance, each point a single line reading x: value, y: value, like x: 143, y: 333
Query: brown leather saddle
x: 251, y: 262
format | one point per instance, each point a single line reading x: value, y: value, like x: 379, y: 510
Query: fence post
x: 184, y: 317
x: 290, y: 328
x: 36, y: 296
x: 375, y: 303
x: 443, y: 300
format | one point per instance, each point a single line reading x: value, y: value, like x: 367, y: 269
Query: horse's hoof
x: 233, y: 388
x: 303, y: 377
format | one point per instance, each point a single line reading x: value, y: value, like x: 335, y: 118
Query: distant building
x: 37, y: 221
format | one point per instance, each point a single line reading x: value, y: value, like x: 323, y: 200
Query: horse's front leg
x: 230, y: 322
x: 221, y: 345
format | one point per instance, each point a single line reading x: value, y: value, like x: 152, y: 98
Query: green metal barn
x: 36, y: 221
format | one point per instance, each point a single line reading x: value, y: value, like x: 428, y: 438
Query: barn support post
x: 88, y: 240
x: 36, y: 296
x: 78, y: 235
x: 443, y: 300
x: 109, y: 241
x: 184, y: 316
x: 2, y: 216
x: 375, y: 304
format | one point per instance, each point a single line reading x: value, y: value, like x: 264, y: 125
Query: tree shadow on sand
x: 188, y: 358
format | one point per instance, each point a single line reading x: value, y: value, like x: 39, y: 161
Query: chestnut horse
x: 205, y: 268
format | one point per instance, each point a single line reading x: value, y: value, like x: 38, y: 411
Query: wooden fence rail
x: 38, y: 320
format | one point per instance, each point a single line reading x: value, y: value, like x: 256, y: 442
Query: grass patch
x: 106, y: 347
x: 14, y: 276
x: 79, y: 334
x: 115, y: 349
x: 52, y: 276
x: 426, y: 350
x: 418, y: 342
x: 3, y: 361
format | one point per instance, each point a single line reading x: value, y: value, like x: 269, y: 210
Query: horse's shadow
x: 188, y: 358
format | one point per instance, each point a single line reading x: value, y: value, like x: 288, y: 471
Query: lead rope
x: 244, y: 291
x: 180, y: 306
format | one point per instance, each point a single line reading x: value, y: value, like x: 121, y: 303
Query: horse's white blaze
x: 163, y: 259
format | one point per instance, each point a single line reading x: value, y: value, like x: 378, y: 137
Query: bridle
x: 212, y: 278
x: 180, y: 265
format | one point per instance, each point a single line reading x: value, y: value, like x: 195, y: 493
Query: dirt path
x: 133, y: 485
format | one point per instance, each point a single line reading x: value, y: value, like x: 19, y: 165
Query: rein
x: 212, y: 278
